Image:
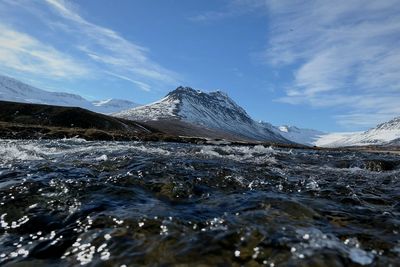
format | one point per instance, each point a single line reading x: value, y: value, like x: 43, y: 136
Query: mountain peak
x: 219, y: 93
x: 182, y: 91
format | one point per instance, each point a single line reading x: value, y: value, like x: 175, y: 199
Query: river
x: 73, y: 202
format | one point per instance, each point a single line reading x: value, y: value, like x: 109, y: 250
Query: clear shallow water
x: 72, y: 202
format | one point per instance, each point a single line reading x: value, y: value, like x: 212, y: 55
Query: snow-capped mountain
x: 17, y: 91
x: 387, y: 133
x: 382, y: 134
x: 215, y: 111
x: 299, y: 135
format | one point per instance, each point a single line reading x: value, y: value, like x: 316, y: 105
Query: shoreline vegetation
x: 38, y: 121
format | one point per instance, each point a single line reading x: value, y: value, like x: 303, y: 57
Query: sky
x: 326, y: 65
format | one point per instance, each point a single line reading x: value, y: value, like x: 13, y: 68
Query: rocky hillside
x: 214, y: 111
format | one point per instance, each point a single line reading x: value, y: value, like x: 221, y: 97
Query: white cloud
x: 100, y: 48
x: 360, y: 120
x: 232, y: 9
x: 142, y: 85
x: 107, y: 47
x: 343, y: 53
x: 22, y: 52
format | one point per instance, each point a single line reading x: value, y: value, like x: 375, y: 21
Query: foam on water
x: 257, y: 153
x: 10, y: 151
x: 30, y: 150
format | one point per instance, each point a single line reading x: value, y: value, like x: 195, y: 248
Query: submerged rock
x: 381, y: 165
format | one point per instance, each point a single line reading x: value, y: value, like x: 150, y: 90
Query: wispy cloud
x: 344, y: 53
x: 233, y: 8
x: 142, y: 85
x: 110, y: 49
x: 22, y: 52
x: 350, y: 121
x: 89, y: 49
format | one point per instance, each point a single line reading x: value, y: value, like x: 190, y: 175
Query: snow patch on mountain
x: 112, y: 105
x: 17, y: 91
x: 333, y: 139
x: 299, y: 135
x: 162, y: 109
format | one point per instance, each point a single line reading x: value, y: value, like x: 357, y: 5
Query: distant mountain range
x: 17, y: 91
x: 216, y: 111
x: 383, y: 134
x: 190, y: 112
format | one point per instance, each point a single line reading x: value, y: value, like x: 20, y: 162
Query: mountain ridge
x: 14, y: 90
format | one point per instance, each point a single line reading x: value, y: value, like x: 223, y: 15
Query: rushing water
x: 71, y: 202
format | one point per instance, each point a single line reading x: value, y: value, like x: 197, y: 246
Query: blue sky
x: 328, y: 65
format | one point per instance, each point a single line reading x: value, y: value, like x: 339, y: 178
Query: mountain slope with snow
x: 334, y: 139
x: 382, y: 134
x: 299, y: 135
x: 17, y: 91
x: 215, y: 111
x: 387, y: 133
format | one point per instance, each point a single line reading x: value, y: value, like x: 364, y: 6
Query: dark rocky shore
x: 36, y: 121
